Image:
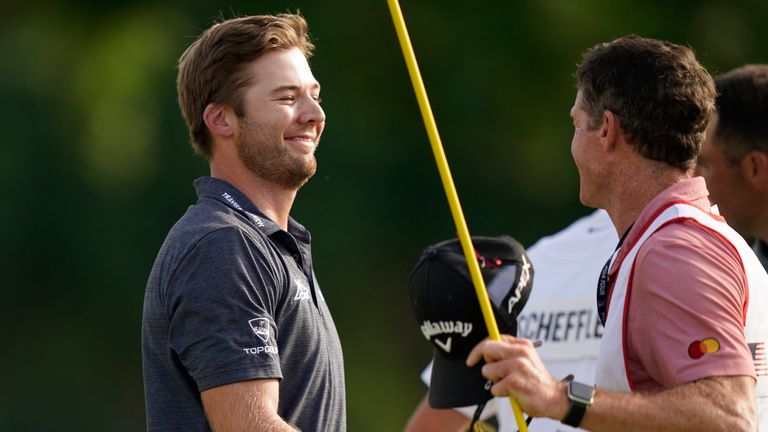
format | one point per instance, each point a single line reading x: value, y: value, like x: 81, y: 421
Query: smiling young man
x: 236, y: 334
x: 734, y: 158
x: 683, y: 299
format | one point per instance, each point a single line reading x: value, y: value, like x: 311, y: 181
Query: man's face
x: 585, y: 152
x: 283, y: 120
x: 725, y: 183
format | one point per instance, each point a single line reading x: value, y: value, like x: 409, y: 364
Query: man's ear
x: 610, y: 130
x: 220, y: 120
x: 754, y: 169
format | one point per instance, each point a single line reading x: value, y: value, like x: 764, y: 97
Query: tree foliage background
x: 97, y: 167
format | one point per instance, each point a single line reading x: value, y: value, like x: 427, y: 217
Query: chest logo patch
x: 705, y: 346
x: 302, y: 291
x: 260, y: 326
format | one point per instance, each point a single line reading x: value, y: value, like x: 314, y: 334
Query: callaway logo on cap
x: 446, y: 307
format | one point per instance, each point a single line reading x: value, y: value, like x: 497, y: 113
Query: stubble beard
x: 588, y: 186
x: 269, y: 159
x: 598, y: 185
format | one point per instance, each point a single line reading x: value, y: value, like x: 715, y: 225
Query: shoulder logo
x: 697, y: 349
x: 260, y: 326
x: 445, y: 346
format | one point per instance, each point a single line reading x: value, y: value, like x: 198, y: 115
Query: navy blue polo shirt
x: 232, y: 297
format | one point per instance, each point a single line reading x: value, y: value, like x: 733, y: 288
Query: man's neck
x: 637, y: 188
x: 274, y: 201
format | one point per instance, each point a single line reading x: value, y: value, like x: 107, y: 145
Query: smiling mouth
x: 302, y: 138
x: 304, y: 144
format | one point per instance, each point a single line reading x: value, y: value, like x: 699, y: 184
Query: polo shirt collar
x: 692, y: 190
x: 220, y: 190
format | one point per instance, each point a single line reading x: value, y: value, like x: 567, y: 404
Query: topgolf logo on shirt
x: 260, y: 326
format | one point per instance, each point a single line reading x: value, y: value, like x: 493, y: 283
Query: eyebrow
x: 293, y: 87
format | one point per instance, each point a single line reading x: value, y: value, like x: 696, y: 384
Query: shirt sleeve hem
x: 230, y: 377
x: 689, y: 377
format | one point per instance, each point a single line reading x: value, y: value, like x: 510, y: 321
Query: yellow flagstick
x: 450, y: 189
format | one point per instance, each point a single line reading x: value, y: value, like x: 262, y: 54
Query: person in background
x: 734, y: 157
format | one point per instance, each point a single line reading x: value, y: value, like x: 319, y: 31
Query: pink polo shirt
x: 688, y: 286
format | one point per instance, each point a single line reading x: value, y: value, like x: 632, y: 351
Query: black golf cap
x: 446, y: 307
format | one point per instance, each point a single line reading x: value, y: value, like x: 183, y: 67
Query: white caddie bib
x: 612, y: 370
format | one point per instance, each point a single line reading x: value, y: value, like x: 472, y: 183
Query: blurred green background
x: 97, y: 167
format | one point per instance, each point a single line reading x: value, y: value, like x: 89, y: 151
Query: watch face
x: 581, y: 392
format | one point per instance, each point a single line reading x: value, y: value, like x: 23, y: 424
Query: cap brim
x: 455, y: 385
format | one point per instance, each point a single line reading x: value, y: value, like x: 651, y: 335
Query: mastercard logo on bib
x: 704, y: 346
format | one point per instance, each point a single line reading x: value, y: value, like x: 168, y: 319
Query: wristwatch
x: 581, y: 397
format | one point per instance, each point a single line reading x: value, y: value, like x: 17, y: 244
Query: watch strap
x: 579, y: 403
x: 575, y: 414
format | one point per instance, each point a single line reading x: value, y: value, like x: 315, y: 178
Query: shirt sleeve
x: 221, y: 306
x: 687, y: 306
